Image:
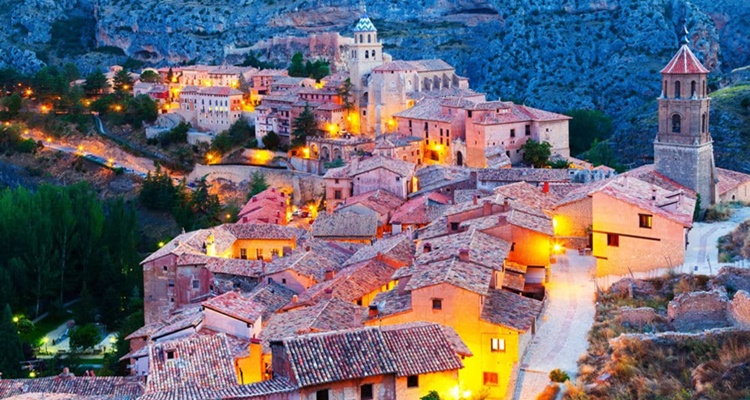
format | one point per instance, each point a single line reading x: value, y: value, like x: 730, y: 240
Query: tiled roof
x: 258, y: 389
x: 389, y: 303
x: 647, y: 173
x: 420, y: 210
x: 381, y: 201
x: 272, y: 72
x: 398, y: 248
x: 267, y: 206
x: 345, y: 225
x: 432, y: 65
x: 356, y: 167
x: 219, y: 91
x: 364, y: 25
x: 730, y: 180
x: 236, y: 306
x: 185, y: 318
x: 469, y: 276
x: 396, y: 65
x: 420, y: 349
x: 352, y: 354
x: 105, y: 387
x: 502, y: 307
x: 272, y: 297
x: 350, y: 284
x: 512, y: 280
x: 684, y: 62
x: 323, y: 255
x: 428, y: 110
x: 328, y: 315
x: 262, y: 231
x: 530, y: 195
x: 201, y: 364
x: 507, y: 112
x: 484, y: 249
x: 236, y: 267
x: 464, y: 195
x: 536, y: 175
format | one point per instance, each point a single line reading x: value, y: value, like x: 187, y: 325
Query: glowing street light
x: 118, y: 108
x: 45, y: 340
x: 161, y: 244
x: 28, y: 92
x: 49, y: 140
x: 32, y: 374
x: 15, y: 319
x: 229, y: 216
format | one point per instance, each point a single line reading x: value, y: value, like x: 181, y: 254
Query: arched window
x: 664, y: 90
x: 676, y: 123
x: 367, y: 54
x: 677, y: 90
x: 373, y: 54
x: 361, y: 38
x: 705, y: 93
x: 692, y: 89
x: 369, y: 38
x: 705, y: 123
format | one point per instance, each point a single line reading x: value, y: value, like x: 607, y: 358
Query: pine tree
x: 122, y: 82
x: 95, y: 83
x: 304, y: 126
x: 11, y: 352
x: 257, y: 184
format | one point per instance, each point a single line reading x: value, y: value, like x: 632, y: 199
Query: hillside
x: 553, y: 54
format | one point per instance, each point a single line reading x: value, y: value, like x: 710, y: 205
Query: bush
x: 558, y: 375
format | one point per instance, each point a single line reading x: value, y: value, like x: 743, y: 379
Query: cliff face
x: 554, y: 54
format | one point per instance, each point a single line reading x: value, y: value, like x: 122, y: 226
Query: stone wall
x: 733, y: 278
x: 305, y: 188
x: 638, y: 316
x: 739, y: 310
x: 698, y: 311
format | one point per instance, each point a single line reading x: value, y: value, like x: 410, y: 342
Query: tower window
x: 367, y: 54
x: 369, y: 38
x: 705, y: 123
x: 373, y: 54
x: 692, y: 89
x: 676, y: 128
x: 361, y: 37
x: 677, y: 90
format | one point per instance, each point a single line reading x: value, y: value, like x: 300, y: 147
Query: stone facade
x: 689, y: 165
x: 698, y: 311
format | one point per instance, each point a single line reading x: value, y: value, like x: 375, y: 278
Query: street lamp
x: 15, y: 320
x: 45, y: 340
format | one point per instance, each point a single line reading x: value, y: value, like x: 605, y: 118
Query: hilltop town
x: 404, y: 237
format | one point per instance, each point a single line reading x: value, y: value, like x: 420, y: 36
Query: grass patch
x: 42, y: 328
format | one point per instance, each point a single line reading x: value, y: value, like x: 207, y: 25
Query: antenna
x: 362, y: 7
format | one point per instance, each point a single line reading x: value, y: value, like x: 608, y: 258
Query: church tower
x: 683, y: 149
x: 364, y: 55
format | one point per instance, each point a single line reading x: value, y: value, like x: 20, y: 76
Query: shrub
x: 558, y: 375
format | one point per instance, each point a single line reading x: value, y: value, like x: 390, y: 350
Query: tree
x: 70, y: 72
x: 178, y: 134
x: 345, y: 92
x: 257, y: 184
x: 142, y: 108
x: 158, y: 192
x: 536, y: 154
x: 601, y: 153
x: 122, y: 82
x: 433, y: 395
x: 171, y: 77
x: 96, y: 83
x: 587, y: 126
x: 304, y: 126
x: 13, y: 104
x: 11, y: 352
x: 84, y: 337
x: 297, y: 67
x: 150, y: 76
x: 318, y: 69
x: 271, y: 141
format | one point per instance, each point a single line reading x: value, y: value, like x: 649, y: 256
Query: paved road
x: 562, y: 336
x: 702, y: 248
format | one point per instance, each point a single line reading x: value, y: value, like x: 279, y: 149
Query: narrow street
x: 702, y: 250
x: 562, y: 336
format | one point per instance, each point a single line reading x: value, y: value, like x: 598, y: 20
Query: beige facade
x: 213, y: 109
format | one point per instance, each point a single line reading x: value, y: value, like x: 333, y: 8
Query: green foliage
x: 559, y: 164
x: 141, y: 108
x: 334, y: 164
x: 238, y: 134
x: 122, y: 82
x: 345, y: 92
x: 251, y: 60
x: 745, y: 102
x: 178, y: 134
x: 304, y: 125
x: 72, y: 36
x: 432, y: 395
x: 48, y: 84
x: 317, y: 69
x: 150, y: 76
x: 558, y: 375
x: 112, y: 364
x: 11, y: 352
x: 13, y: 104
x: 70, y: 72
x: 96, y: 83
x: 197, y: 209
x: 585, y: 127
x: 25, y: 326
x: 221, y: 144
x: 601, y: 153
x: 84, y: 337
x: 536, y: 154
x: 158, y: 192
x: 11, y: 140
x: 257, y: 184
x: 271, y: 141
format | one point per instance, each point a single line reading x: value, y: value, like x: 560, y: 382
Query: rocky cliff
x: 555, y: 54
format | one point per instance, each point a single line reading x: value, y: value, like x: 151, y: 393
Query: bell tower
x: 683, y: 148
x: 365, y: 54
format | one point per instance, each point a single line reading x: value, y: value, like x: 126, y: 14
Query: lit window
x: 497, y: 345
x: 645, y: 220
x: 490, y: 378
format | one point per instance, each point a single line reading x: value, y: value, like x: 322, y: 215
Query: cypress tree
x: 11, y: 352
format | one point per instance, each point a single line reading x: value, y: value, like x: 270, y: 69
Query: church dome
x: 365, y: 25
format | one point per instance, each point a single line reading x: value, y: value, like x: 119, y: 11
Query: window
x: 321, y: 394
x: 490, y: 378
x: 437, y: 304
x: 275, y: 253
x: 528, y: 130
x: 454, y: 226
x: 258, y: 254
x: 613, y: 240
x: 165, y: 268
x: 365, y: 392
x: 645, y: 220
x: 196, y: 284
x: 676, y: 123
x: 497, y: 345
x: 243, y: 254
x: 412, y: 381
x: 677, y: 90
x: 692, y: 89
x: 171, y: 354
x: 270, y: 281
x: 337, y: 195
x: 171, y: 283
x: 512, y: 133
x: 337, y: 181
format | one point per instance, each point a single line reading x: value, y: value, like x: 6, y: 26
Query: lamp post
x: 45, y: 340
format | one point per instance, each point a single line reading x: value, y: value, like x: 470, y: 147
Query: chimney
x: 653, y: 194
x: 545, y: 188
x: 474, y: 199
x: 307, y: 248
x: 330, y: 274
x: 463, y: 254
x: 295, y: 299
x: 487, y: 208
x: 379, y: 257
x: 372, y: 311
x: 263, y: 266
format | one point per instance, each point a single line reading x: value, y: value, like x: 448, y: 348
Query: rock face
x: 739, y: 310
x: 553, y: 54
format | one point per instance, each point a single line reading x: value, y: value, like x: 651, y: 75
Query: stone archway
x: 325, y: 153
x: 337, y: 154
x: 313, y: 151
x: 459, y: 158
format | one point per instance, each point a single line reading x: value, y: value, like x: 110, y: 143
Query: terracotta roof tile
x: 345, y: 225
x: 534, y: 175
x: 504, y: 308
x: 484, y: 249
x: 469, y: 276
x: 427, y: 110
x: 272, y: 297
x: 420, y: 349
x: 512, y: 280
x: 397, y: 249
x: 684, y: 62
x: 264, y: 388
x: 115, y: 388
x: 730, y: 180
x: 420, y: 210
x: 236, y: 306
x: 381, y: 201
x: 530, y: 195
x: 356, y: 167
x: 262, y: 231
x: 390, y: 303
x: 185, y: 318
x: 322, y: 255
